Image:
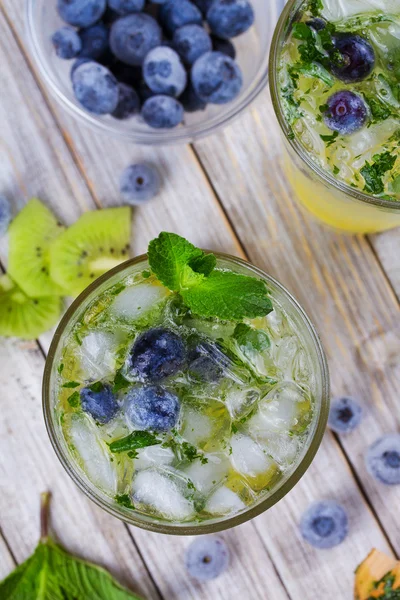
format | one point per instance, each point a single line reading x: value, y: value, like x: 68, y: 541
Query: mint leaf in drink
x: 133, y: 441
x: 168, y: 255
x: 71, y: 384
x: 249, y: 338
x: 229, y: 296
x: 124, y: 500
x: 374, y: 172
x: 207, y: 291
x: 51, y: 572
x: 74, y: 400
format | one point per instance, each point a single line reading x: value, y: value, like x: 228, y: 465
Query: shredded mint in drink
x: 187, y: 390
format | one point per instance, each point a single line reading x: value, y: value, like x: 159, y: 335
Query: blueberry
x: 345, y: 415
x: 126, y: 7
x: 81, y: 13
x: 358, y: 58
x: 203, y: 5
x: 325, y: 524
x: 206, y: 558
x: 317, y: 24
x: 77, y: 63
x: 157, y: 354
x: 133, y: 36
x: 96, y: 88
x: 207, y: 362
x: 224, y: 46
x: 383, y: 459
x: 66, y: 42
x: 177, y: 13
x: 191, y: 42
x: 163, y: 72
x: 139, y: 183
x: 5, y: 214
x: 216, y: 78
x: 190, y: 100
x: 126, y: 74
x: 229, y: 18
x: 346, y: 112
x: 94, y: 41
x: 152, y: 408
x: 128, y: 102
x: 162, y: 112
x: 99, y: 401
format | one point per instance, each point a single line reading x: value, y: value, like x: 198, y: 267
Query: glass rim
x: 160, y: 137
x: 322, y: 174
x: 224, y: 522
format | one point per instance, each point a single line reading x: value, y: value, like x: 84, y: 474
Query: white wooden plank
x: 6, y: 561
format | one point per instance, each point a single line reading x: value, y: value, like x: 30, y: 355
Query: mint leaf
x: 229, y: 296
x: 71, y: 384
x: 189, y: 278
x: 74, y: 400
x: 168, y: 255
x: 329, y: 139
x: 133, y: 441
x: 203, y: 264
x: 251, y: 339
x: 374, y: 172
x: 120, y: 383
x: 124, y: 500
x: 52, y: 573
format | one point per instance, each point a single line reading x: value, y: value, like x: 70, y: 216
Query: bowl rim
x: 289, y: 13
x: 151, y: 137
x: 205, y: 527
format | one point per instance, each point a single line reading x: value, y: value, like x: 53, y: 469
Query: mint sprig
x: 51, y: 572
x: 205, y: 289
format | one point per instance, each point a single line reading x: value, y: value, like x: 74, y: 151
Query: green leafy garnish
x: 251, y: 339
x: 207, y: 291
x: 74, y: 400
x: 133, y: 441
x: 71, y: 384
x: 96, y: 387
x: 124, y: 500
x: 389, y: 593
x: 60, y: 368
x: 329, y: 139
x: 53, y: 573
x: 374, y: 172
x: 184, y: 450
x: 315, y: 7
x: 120, y: 383
x: 379, y: 110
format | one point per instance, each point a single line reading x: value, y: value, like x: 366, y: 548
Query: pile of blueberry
x: 158, y: 58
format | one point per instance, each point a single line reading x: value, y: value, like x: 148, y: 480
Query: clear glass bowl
x: 252, y: 55
x: 319, y: 381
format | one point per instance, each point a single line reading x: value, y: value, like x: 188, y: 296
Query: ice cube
x: 205, y: 476
x: 285, y: 354
x: 152, y: 456
x: 283, y: 448
x: 287, y: 407
x: 336, y: 10
x: 224, y: 502
x: 92, y: 453
x: 247, y: 456
x: 163, y: 492
x: 98, y: 355
x: 197, y: 427
x: 240, y: 401
x: 133, y: 302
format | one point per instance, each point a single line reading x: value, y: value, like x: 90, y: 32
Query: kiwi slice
x: 31, y: 234
x: 96, y: 243
x: 22, y: 316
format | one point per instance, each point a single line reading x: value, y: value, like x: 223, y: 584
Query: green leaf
x: 374, y: 172
x: 301, y: 31
x: 51, y: 573
x: 168, y: 255
x: 120, y: 383
x: 329, y: 139
x: 315, y: 70
x: 71, y: 384
x: 229, y: 296
x: 133, y: 441
x: 74, y: 400
x: 124, y: 500
x: 189, y: 278
x: 250, y: 338
x: 203, y: 264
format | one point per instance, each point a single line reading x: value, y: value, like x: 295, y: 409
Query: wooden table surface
x: 227, y: 193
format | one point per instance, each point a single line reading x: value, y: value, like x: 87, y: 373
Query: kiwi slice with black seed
x: 22, y: 316
x: 96, y: 243
x: 31, y: 234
